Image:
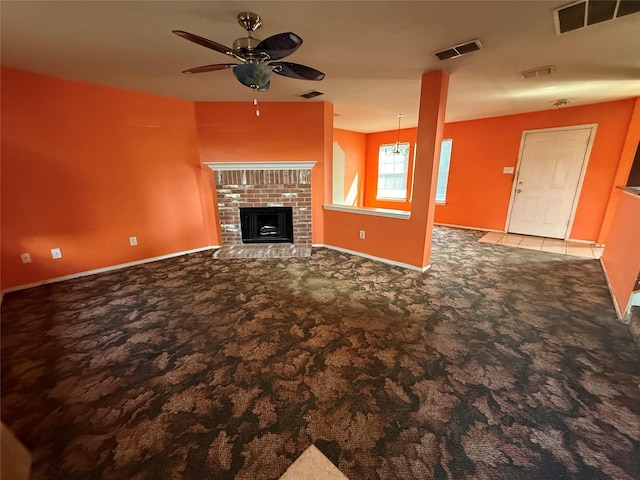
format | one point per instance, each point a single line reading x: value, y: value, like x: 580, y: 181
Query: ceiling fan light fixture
x: 253, y: 75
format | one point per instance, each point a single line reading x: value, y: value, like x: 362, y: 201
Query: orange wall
x: 478, y: 192
x: 401, y: 240
x: 433, y: 102
x: 85, y: 167
x: 353, y: 146
x: 230, y: 131
x: 326, y: 195
x: 621, y: 256
x: 631, y: 143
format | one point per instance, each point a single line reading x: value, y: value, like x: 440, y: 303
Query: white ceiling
x: 373, y: 52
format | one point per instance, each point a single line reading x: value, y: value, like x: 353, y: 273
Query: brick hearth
x: 253, y: 187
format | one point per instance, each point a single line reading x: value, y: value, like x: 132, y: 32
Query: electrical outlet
x: 56, y: 253
x: 25, y: 257
x: 133, y: 241
x: 362, y: 234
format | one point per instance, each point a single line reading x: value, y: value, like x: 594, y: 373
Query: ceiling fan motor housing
x: 245, y: 44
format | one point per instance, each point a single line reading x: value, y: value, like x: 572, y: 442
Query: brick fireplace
x: 262, y: 184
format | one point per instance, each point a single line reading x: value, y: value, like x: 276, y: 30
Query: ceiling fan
x: 256, y: 57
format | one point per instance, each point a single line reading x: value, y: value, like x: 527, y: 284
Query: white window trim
x: 444, y: 201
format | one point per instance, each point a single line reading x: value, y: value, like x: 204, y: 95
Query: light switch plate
x: 56, y: 253
x: 508, y: 170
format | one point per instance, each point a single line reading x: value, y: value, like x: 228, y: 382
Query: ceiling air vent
x: 458, y: 50
x: 582, y: 13
x: 311, y: 94
x: 538, y: 72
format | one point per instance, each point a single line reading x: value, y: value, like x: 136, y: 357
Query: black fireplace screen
x: 267, y: 224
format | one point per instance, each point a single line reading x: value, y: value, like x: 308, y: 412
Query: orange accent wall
x: 354, y: 146
x: 621, y: 256
x: 284, y: 131
x: 478, y: 192
x: 85, y: 167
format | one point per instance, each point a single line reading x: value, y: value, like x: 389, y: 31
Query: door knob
x: 518, y: 190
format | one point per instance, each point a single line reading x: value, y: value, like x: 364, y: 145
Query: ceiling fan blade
x: 210, y: 68
x: 280, y: 45
x: 295, y: 70
x: 205, y: 42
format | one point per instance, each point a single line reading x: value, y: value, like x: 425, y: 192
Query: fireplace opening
x: 266, y: 224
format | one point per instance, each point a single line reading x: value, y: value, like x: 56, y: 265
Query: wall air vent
x: 458, y: 50
x: 311, y: 94
x: 538, y: 72
x: 583, y: 13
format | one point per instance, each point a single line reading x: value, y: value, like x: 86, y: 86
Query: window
x: 392, y: 171
x: 443, y: 171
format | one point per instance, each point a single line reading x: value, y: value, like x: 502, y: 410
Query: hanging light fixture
x: 396, y: 148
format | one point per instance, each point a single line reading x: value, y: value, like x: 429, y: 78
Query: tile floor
x: 576, y: 249
x: 313, y: 465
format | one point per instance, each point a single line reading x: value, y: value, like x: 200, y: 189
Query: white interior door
x: 547, y: 183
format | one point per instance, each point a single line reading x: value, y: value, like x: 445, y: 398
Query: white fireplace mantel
x: 231, y: 166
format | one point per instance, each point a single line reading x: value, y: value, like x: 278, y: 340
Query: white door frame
x: 574, y: 206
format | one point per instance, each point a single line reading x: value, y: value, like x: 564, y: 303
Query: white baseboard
x: 106, y: 269
x: 613, y: 295
x: 378, y: 259
x: 468, y: 228
x: 588, y: 242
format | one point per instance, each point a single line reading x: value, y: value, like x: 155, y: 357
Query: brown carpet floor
x: 498, y: 363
